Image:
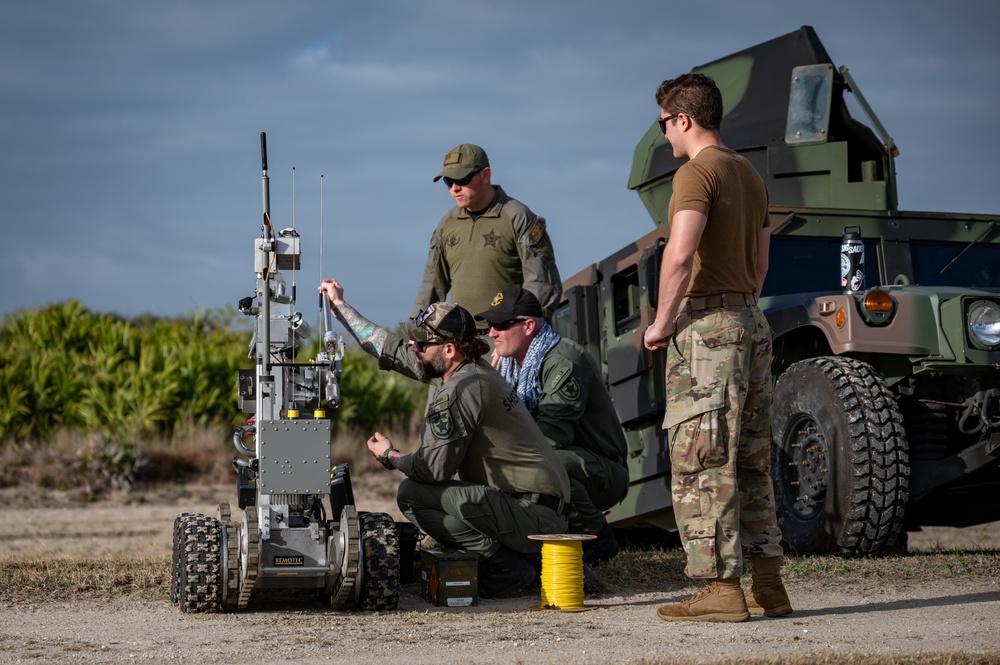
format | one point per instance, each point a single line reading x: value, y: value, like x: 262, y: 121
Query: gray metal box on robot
x: 294, y: 456
x: 286, y: 251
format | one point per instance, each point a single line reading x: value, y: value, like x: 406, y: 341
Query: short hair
x: 695, y: 95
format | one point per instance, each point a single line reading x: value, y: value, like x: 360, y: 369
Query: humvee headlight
x: 877, y: 307
x: 984, y: 323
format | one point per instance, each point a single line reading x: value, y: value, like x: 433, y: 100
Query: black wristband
x: 384, y: 458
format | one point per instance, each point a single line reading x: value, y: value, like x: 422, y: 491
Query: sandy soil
x: 873, y: 617
x: 59, y: 524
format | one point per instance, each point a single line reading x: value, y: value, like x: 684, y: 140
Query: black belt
x: 546, y: 500
x: 698, y: 303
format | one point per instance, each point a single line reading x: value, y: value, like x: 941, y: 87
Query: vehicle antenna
x: 293, y: 225
x: 294, y: 272
x: 321, y: 227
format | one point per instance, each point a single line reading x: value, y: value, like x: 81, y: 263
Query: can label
x: 852, y: 264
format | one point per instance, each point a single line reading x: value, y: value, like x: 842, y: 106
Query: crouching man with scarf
x: 562, y: 387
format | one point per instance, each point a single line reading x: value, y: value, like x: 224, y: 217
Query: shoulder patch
x: 562, y: 370
x: 441, y: 423
x: 440, y: 401
x: 562, y: 383
x: 538, y: 230
x: 570, y: 389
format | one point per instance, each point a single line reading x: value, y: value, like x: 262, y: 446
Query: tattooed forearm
x: 370, y: 336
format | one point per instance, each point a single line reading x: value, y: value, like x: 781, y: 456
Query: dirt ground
x: 830, y: 618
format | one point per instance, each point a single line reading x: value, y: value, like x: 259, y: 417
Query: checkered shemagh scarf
x: 527, y: 378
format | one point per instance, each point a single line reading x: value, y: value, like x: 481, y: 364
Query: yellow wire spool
x: 562, y: 571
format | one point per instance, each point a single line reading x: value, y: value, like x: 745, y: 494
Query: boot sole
x: 784, y: 610
x: 716, y: 617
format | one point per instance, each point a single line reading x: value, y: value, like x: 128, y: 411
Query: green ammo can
x: 449, y: 578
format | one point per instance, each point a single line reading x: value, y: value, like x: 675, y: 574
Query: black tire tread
x: 200, y: 564
x: 876, y: 447
x: 175, y: 557
x: 380, y: 561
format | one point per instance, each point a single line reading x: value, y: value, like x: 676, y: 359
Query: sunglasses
x: 506, y: 325
x: 422, y: 346
x: 662, y: 122
x: 463, y: 181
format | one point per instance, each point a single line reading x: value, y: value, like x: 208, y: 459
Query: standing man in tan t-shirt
x: 718, y: 347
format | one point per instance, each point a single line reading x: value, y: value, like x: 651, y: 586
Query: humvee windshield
x: 977, y: 267
x: 811, y: 265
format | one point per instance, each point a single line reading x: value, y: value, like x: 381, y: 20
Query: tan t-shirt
x: 723, y: 186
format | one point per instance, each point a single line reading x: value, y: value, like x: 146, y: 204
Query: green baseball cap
x: 463, y: 160
x: 442, y: 320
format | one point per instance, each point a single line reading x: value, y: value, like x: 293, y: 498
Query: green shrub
x: 65, y: 368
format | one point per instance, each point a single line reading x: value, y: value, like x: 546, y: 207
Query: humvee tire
x: 839, y: 458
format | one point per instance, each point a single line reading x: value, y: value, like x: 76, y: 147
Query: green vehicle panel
x: 886, y: 415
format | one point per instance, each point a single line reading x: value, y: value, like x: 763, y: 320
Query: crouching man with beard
x: 484, y: 478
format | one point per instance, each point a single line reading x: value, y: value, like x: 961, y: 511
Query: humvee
x: 886, y: 411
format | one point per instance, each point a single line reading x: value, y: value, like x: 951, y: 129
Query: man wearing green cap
x: 487, y: 242
x: 483, y: 478
x: 564, y: 391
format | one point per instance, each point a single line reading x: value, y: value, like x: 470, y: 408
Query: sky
x: 130, y: 172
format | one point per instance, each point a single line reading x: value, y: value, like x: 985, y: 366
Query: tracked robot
x: 299, y: 527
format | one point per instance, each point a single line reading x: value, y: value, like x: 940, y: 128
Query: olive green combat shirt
x: 476, y: 257
x: 575, y: 407
x: 477, y: 430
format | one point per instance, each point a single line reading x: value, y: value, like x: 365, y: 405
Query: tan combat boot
x: 767, y: 595
x: 721, y: 601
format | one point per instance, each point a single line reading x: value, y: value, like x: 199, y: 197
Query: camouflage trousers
x: 718, y: 401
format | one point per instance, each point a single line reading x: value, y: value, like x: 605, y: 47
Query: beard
x: 431, y: 368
